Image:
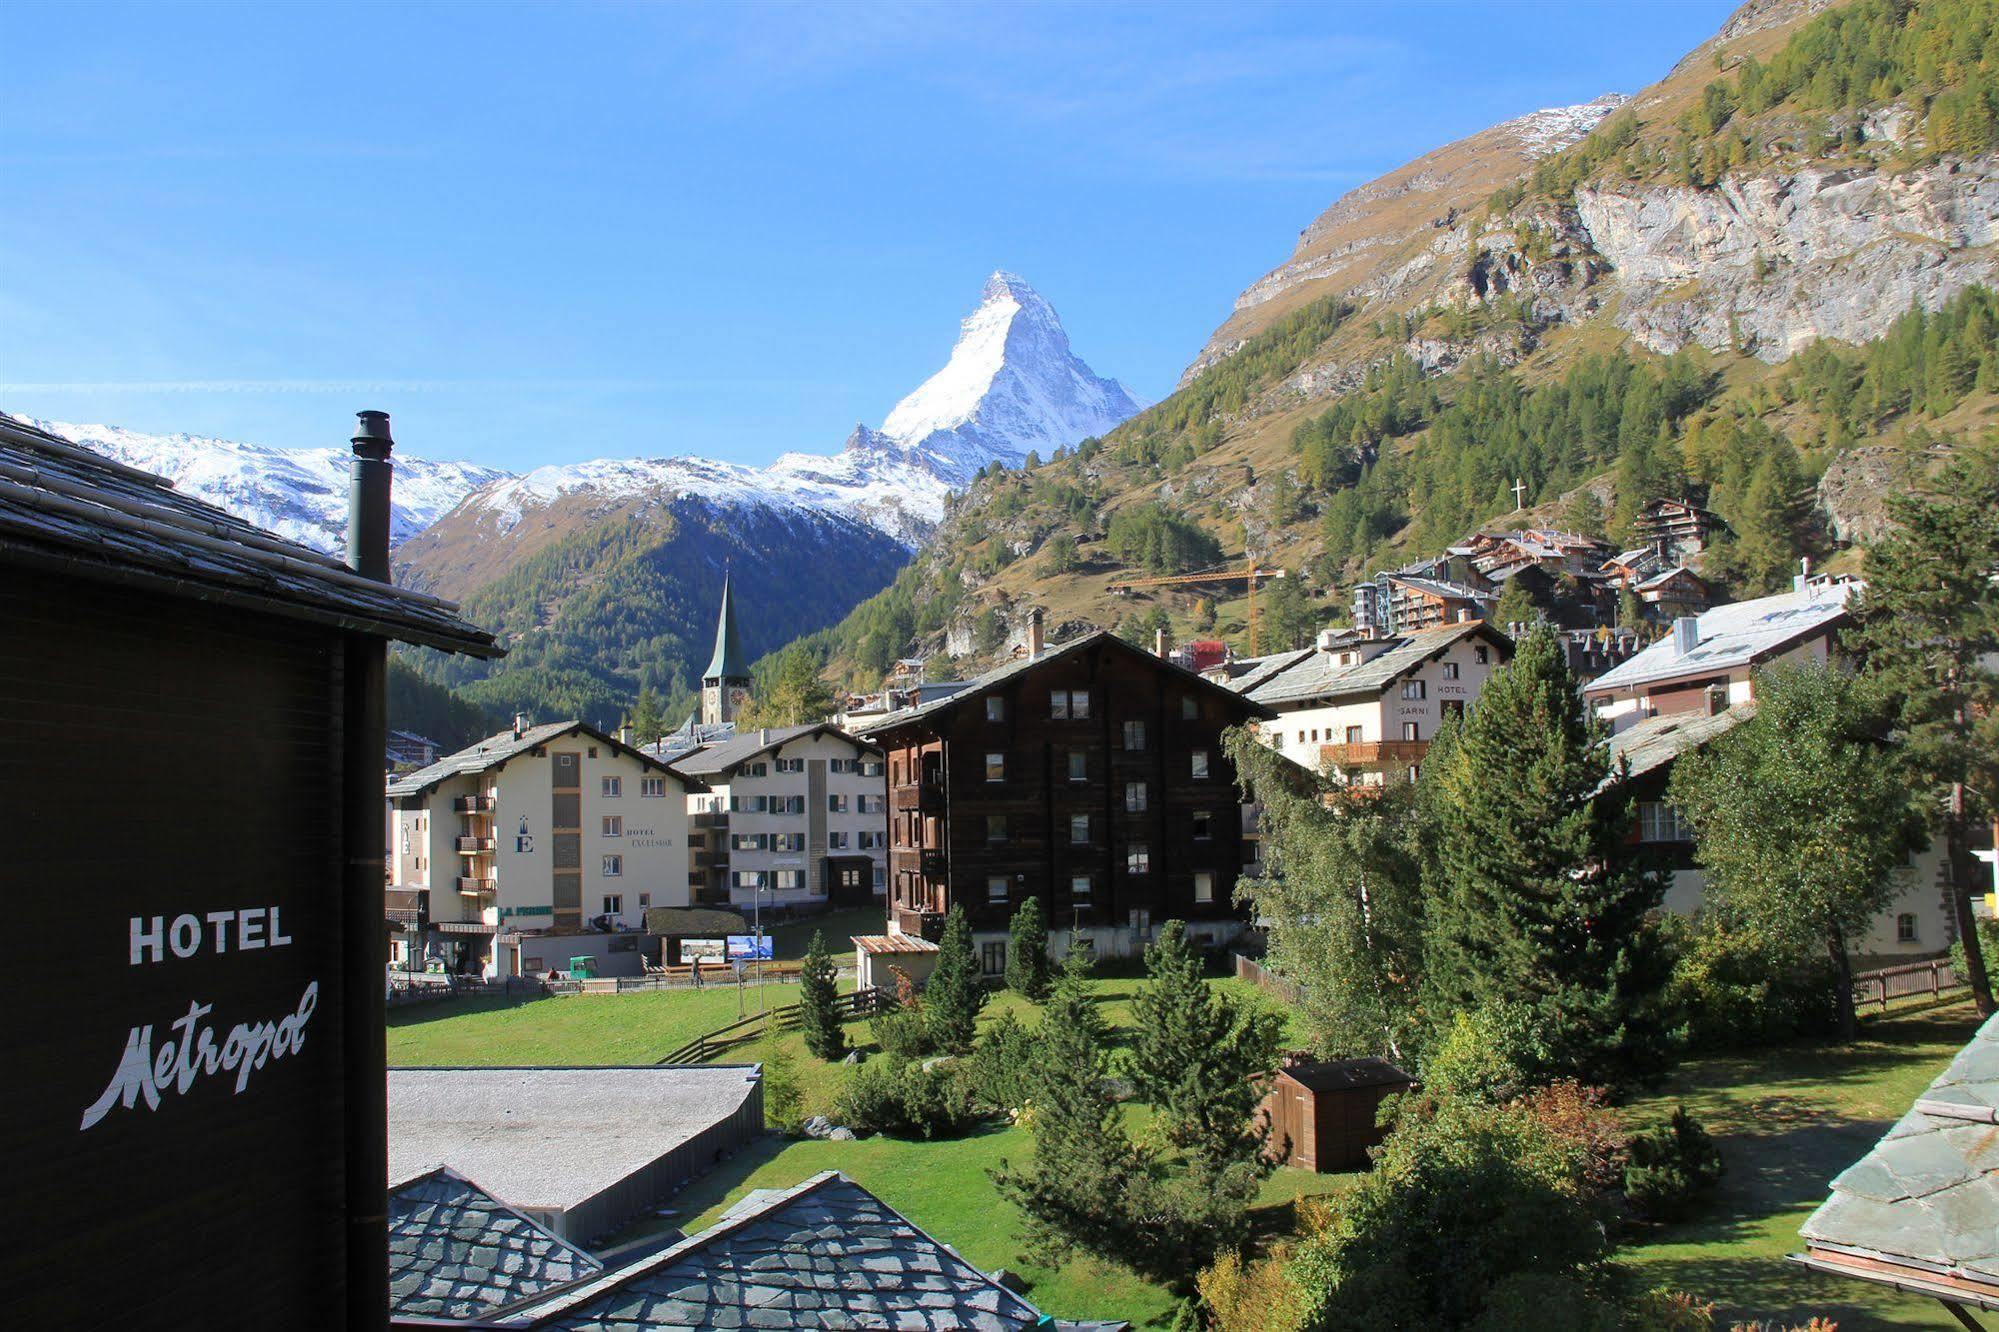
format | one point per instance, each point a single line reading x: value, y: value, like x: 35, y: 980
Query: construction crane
x: 1249, y: 574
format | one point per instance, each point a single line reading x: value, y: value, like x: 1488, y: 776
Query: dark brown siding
x: 161, y: 757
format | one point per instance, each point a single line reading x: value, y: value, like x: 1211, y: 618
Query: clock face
x: 738, y: 695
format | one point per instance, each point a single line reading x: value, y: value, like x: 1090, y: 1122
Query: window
x: 790, y: 765
x: 995, y: 827
x: 995, y: 767
x: 652, y: 786
x: 790, y: 880
x: 1079, y: 886
x: 1069, y: 704
x: 1415, y: 689
x: 787, y: 804
x: 645, y: 900
x: 614, y: 866
x: 992, y: 957
x: 1481, y: 655
x: 1905, y: 927
x: 996, y: 888
x: 871, y: 767
x: 836, y: 803
x: 614, y: 825
x: 1204, y: 886
x: 1079, y: 830
x: 1450, y: 670
x: 1134, y: 736
x: 757, y: 769
x: 1058, y: 704
x: 614, y: 904
x: 871, y: 841
x: 1200, y: 762
x: 881, y: 877
x: 1138, y: 858
x: 874, y: 804
x: 1353, y: 735
x: 787, y: 841
x: 995, y: 708
x: 1204, y: 825
x: 749, y: 879
x: 1134, y: 797
x: 838, y: 841
x: 1660, y: 822
x: 1408, y: 730
x: 1079, y: 766
x: 1190, y: 707
x: 614, y: 787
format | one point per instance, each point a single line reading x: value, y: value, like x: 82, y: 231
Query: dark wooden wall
x: 157, y: 757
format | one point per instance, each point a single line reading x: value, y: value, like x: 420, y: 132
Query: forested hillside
x: 1777, y: 328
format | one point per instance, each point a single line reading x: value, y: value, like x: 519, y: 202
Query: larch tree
x: 1535, y: 899
x: 1929, y: 638
x: 1801, y: 817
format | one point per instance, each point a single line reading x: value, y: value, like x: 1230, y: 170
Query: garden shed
x: 1326, y: 1110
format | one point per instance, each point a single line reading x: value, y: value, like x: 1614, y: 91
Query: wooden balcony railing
x: 472, y: 804
x: 474, y: 887
x: 474, y: 846
x: 1373, y: 753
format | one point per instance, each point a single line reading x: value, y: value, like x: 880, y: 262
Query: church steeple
x: 725, y: 685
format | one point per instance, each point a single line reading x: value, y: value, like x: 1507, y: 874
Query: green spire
x: 728, y: 661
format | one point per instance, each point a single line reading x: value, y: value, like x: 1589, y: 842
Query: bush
x: 784, y: 1099
x: 900, y: 1098
x: 1589, y: 1137
x: 1485, y: 1055
x: 902, y: 1031
x: 1673, y: 1168
x: 1000, y: 1062
x: 1988, y: 942
x: 1733, y: 987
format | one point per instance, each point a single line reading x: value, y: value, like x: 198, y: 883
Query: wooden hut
x: 1325, y: 1111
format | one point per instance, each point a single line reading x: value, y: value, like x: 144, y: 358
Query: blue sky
x: 540, y: 234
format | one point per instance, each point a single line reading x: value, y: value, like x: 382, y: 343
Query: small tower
x: 725, y: 685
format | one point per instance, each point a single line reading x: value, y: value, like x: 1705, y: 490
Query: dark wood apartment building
x: 1091, y: 775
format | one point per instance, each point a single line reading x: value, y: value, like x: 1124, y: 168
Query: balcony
x: 472, y: 804
x: 1373, y: 753
x: 924, y: 795
x: 474, y: 846
x: 471, y: 886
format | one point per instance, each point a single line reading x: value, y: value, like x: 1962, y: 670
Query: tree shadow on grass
x: 1787, y: 1295
x: 418, y: 1012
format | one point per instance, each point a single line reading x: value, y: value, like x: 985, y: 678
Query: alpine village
x: 1474, y: 811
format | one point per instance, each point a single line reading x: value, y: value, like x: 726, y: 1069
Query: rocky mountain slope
x: 1704, y: 288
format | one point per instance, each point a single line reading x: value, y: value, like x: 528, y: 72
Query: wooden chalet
x: 1677, y: 528
x: 1089, y: 774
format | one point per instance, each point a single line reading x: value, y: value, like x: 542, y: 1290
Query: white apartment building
x: 531, y: 835
x: 789, y: 816
x: 1368, y: 708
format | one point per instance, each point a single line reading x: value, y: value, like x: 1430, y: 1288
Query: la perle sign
x: 190, y: 1050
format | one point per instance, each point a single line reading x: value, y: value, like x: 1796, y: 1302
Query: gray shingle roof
x: 1737, y: 634
x: 1927, y: 1195
x: 826, y: 1254
x: 456, y: 1251
x: 716, y: 759
x: 1259, y: 670
x: 1001, y: 674
x: 1324, y: 677
x: 1657, y: 741
x: 498, y: 748
x: 66, y: 509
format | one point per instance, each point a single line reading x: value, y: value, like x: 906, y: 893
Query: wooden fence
x: 860, y: 1003
x: 1248, y: 969
x: 1934, y: 977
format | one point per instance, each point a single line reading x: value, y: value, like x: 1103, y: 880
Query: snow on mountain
x: 300, y: 494
x: 1554, y: 128
x: 1012, y: 386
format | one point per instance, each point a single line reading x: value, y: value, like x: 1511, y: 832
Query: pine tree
x: 954, y: 994
x: 1929, y: 622
x: 1516, y: 605
x: 648, y: 722
x: 1536, y: 900
x: 1197, y: 1055
x: 1027, y: 951
x: 818, y: 1000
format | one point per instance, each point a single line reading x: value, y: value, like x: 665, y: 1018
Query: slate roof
x: 1668, y: 575
x: 826, y: 1254
x: 1737, y: 634
x: 1439, y: 587
x: 497, y: 749
x: 66, y: 509
x: 1324, y: 677
x: 1261, y: 670
x: 456, y: 1251
x: 999, y: 675
x: 1653, y: 743
x: 1927, y: 1196
x: 718, y: 759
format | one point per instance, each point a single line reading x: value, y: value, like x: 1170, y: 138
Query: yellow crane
x: 1249, y: 574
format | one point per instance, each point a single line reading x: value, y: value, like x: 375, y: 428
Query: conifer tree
x: 648, y: 722
x: 1197, y: 1053
x: 818, y: 999
x: 1536, y: 900
x: 954, y: 994
x: 1929, y: 624
x: 1027, y: 951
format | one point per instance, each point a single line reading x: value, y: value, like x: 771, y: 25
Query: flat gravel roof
x: 551, y: 1138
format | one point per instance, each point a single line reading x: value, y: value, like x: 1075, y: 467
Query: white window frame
x: 1204, y: 886
x: 614, y: 825
x: 612, y: 787
x: 613, y: 867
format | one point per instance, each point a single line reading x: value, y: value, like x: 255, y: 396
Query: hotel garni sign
x: 167, y: 1059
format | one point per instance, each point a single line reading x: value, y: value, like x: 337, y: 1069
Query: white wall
x: 1382, y: 717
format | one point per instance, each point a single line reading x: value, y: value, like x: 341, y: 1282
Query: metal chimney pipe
x: 364, y: 944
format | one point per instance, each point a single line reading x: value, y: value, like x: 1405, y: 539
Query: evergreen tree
x: 1929, y: 627
x: 1536, y: 900
x: 1802, y: 820
x: 1198, y: 1055
x: 1027, y: 951
x: 648, y: 722
x: 1516, y: 605
x: 788, y: 691
x: 1290, y: 619
x: 1059, y: 555
x: 818, y: 1002
x: 954, y: 994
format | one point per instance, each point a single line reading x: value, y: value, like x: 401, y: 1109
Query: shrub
x: 902, y: 1099
x: 901, y: 1030
x: 784, y: 1099
x: 1243, y: 1295
x: 1589, y: 1138
x: 1000, y: 1063
x: 1673, y: 1168
x: 1733, y: 987
x: 1988, y: 940
x: 1485, y: 1055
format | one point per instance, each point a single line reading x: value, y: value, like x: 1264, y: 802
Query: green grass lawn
x: 1787, y: 1121
x: 789, y: 941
